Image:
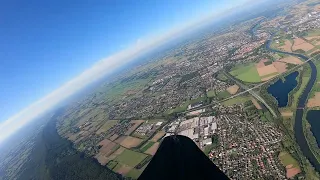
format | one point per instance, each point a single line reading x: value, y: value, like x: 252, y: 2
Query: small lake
x: 281, y: 89
x: 314, y: 121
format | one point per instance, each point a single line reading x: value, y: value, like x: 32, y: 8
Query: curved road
x: 298, y: 129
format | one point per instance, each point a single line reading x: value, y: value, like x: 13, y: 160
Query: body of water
x: 313, y: 119
x: 298, y: 130
x: 281, y: 89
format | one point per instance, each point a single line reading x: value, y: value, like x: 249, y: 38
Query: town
x: 200, y: 90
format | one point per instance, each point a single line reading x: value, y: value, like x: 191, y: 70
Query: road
x: 254, y: 94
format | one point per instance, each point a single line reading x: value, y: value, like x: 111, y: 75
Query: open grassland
x: 246, y: 73
x: 236, y: 100
x: 130, y: 158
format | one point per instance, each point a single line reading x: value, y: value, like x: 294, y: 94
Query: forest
x: 54, y: 158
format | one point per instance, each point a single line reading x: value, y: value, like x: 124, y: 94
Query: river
x: 298, y: 129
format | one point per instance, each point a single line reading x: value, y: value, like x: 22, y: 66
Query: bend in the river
x: 298, y: 128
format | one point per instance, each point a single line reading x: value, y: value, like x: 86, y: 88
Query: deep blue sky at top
x: 43, y: 44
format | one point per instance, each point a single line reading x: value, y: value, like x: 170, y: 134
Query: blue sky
x: 46, y: 44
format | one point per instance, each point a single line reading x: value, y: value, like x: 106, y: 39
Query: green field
x: 211, y: 93
x: 246, y: 73
x: 108, y: 125
x: 315, y: 32
x: 286, y: 159
x: 223, y: 94
x: 185, y: 105
x: 299, y: 92
x: 134, y: 173
x: 146, y: 146
x: 222, y: 77
x: 236, y: 100
x: 130, y: 158
x: 118, y: 90
x: 208, y: 148
x: 112, y: 164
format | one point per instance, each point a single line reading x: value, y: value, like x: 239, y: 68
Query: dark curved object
x: 178, y: 157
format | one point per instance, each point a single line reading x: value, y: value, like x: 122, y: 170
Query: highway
x: 253, y: 93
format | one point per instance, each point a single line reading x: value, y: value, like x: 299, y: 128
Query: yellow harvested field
x: 266, y: 70
x: 124, y: 169
x: 102, y: 159
x: 158, y: 136
x: 130, y: 142
x: 287, y: 46
x: 287, y: 113
x: 233, y: 89
x: 301, y: 44
x: 255, y: 103
x: 314, y: 101
x: 291, y: 60
x: 269, y: 77
x: 153, y: 149
x: 280, y: 66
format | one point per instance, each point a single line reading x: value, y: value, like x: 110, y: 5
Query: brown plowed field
x: 255, y: 103
x: 260, y: 64
x: 291, y: 60
x: 107, y: 146
x: 130, y: 142
x: 158, y: 136
x: 314, y: 101
x: 263, y: 71
x: 301, y: 44
x: 153, y: 149
x: 287, y: 46
x: 287, y: 113
x: 233, y: 89
x: 280, y: 66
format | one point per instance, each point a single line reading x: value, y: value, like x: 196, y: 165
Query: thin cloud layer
x: 98, y: 70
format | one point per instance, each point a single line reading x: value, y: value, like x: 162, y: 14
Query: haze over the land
x: 48, y: 46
